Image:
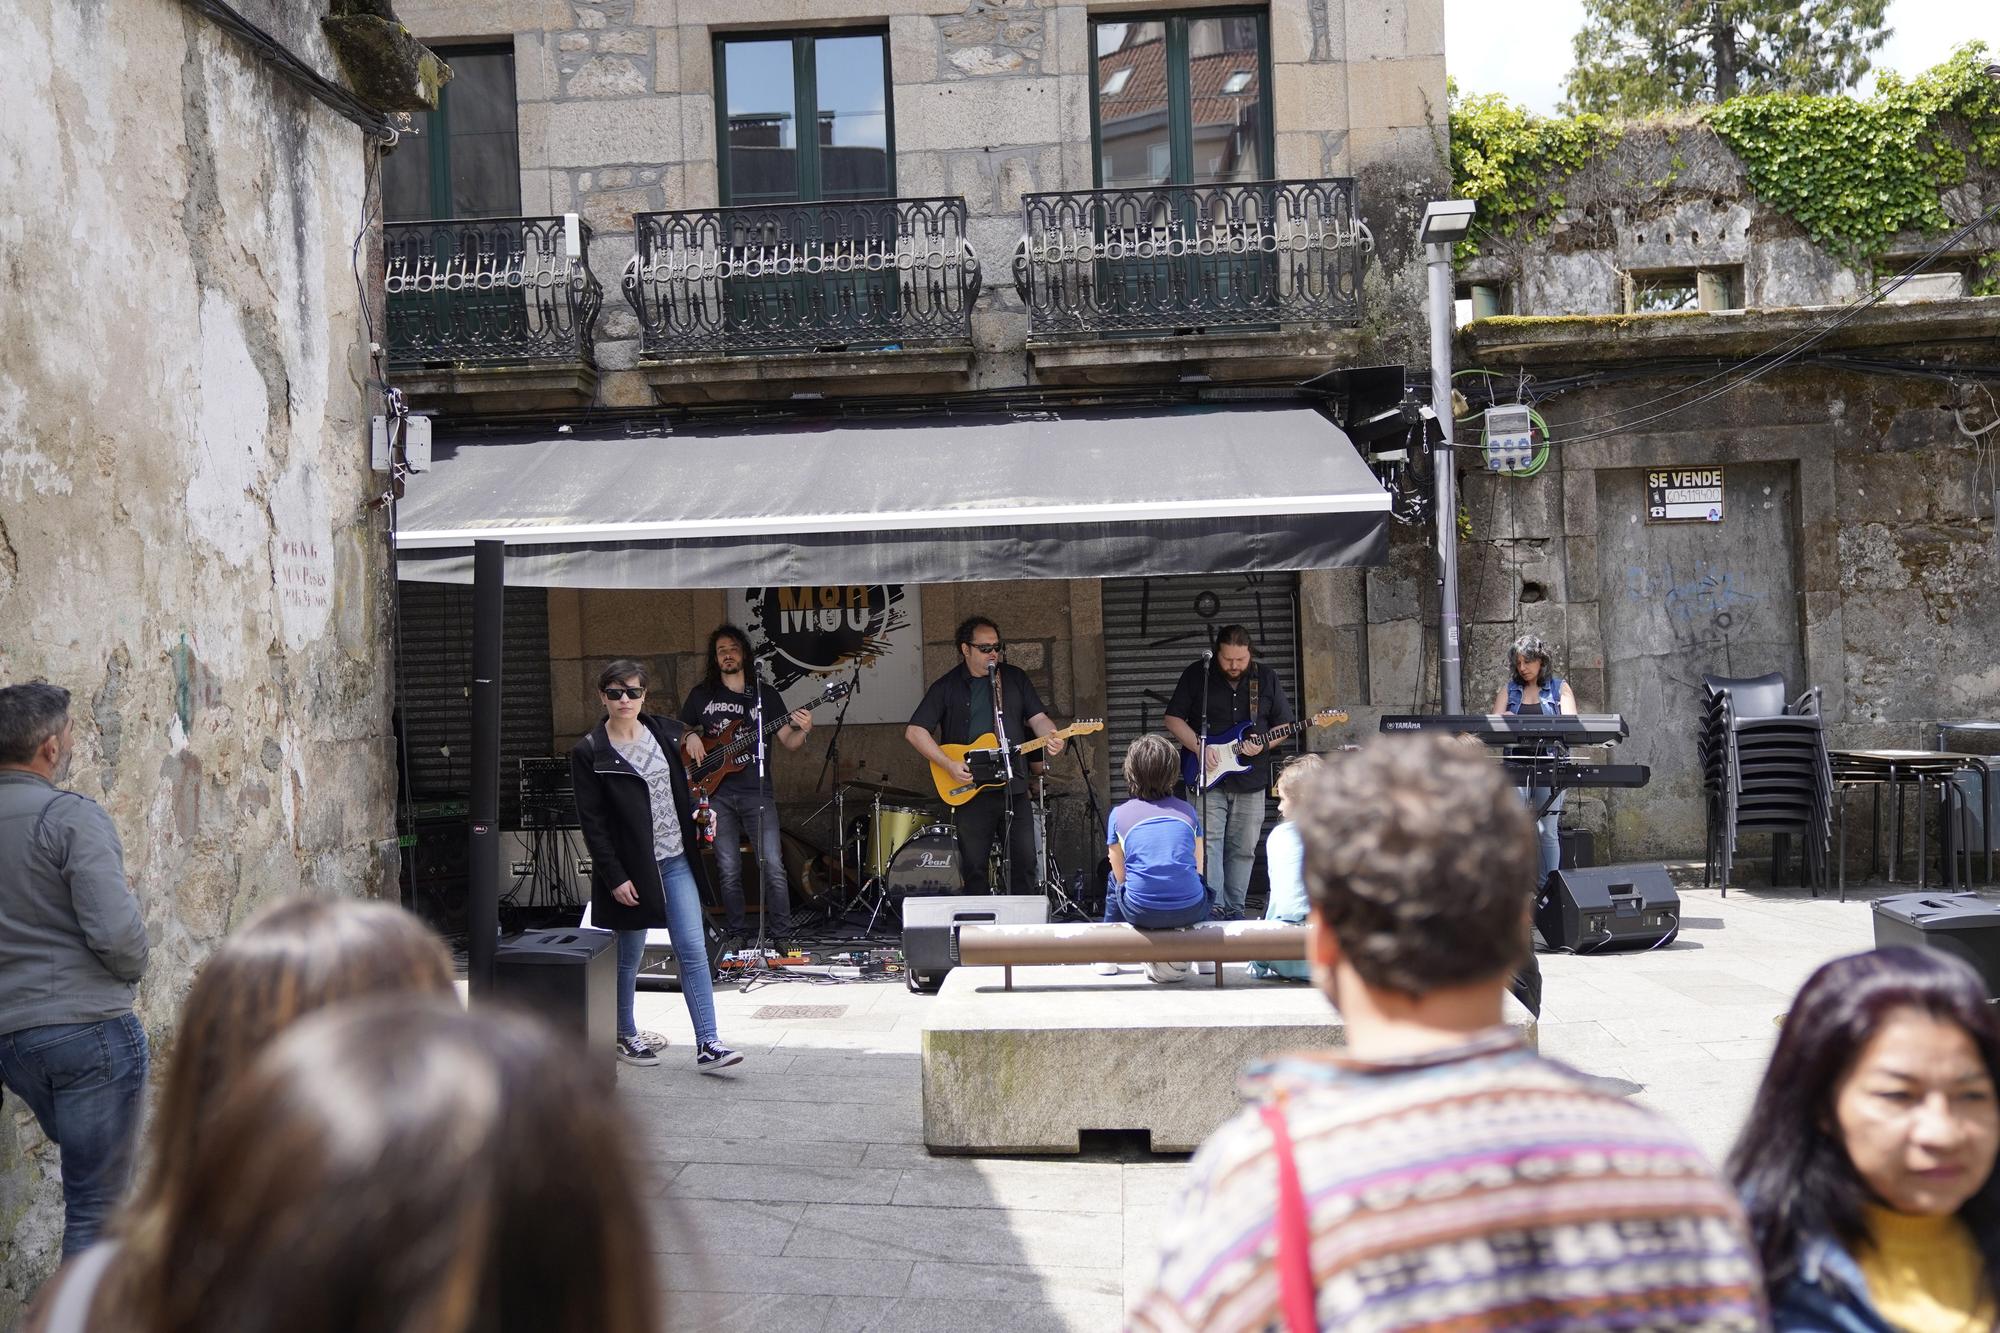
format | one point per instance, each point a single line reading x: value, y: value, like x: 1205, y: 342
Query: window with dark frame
x: 837, y: 84
x: 1181, y: 99
x: 464, y: 161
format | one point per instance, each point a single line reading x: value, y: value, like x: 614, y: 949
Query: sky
x: 1522, y: 47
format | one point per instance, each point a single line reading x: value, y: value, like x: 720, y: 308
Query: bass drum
x: 925, y: 865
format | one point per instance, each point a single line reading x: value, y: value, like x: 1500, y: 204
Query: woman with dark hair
x: 1532, y: 688
x: 1156, y: 881
x: 294, y: 958
x: 401, y: 1165
x: 638, y: 821
x: 1866, y: 1166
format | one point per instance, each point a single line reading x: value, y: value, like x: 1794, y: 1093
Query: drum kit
x: 899, y: 845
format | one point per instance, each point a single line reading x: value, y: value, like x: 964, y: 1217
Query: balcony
x: 492, y: 306
x: 1242, y: 262
x: 861, y: 288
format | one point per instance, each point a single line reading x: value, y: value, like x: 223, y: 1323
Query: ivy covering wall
x: 1852, y: 172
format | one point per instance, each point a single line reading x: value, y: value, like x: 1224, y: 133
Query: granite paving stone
x: 800, y: 1184
x: 1075, y: 1240
x: 797, y: 1194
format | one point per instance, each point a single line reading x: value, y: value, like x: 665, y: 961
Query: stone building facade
x: 993, y: 103
x: 1857, y: 551
x: 186, y: 538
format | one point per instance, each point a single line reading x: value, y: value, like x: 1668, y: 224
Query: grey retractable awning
x: 933, y: 499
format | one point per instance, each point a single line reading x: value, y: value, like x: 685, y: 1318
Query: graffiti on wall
x: 1710, y: 613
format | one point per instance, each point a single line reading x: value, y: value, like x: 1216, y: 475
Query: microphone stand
x: 1007, y: 791
x: 1201, y: 774
x: 757, y: 971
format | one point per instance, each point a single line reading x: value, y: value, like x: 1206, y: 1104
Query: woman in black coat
x: 638, y: 821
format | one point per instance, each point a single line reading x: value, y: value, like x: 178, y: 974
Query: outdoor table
x: 1978, y: 726
x: 1896, y: 769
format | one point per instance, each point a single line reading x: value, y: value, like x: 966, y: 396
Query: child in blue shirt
x: 1155, y: 851
x: 1285, y: 861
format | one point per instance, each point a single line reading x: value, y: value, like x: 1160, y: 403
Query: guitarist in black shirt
x: 1244, y: 699
x: 744, y: 800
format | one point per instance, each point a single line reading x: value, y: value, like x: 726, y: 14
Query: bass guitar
x: 983, y: 758
x: 1225, y: 750
x: 735, y: 745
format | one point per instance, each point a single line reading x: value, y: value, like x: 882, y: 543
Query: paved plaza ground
x: 797, y: 1195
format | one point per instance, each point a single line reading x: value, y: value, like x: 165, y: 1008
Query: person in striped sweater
x: 1437, y: 1174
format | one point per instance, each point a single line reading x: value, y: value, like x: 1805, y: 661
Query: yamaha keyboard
x: 1516, y: 728
x: 1559, y: 775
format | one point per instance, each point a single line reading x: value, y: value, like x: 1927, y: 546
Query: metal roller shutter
x: 434, y: 690
x: 1154, y: 627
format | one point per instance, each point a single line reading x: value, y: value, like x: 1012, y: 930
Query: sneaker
x: 634, y: 1051
x: 1204, y: 969
x: 714, y: 1056
x: 1166, y: 974
x: 1105, y: 969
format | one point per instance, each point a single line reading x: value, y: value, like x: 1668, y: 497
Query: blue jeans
x: 1232, y: 825
x: 1116, y: 909
x: 1547, y: 828
x: 734, y: 812
x: 684, y: 928
x: 84, y: 1082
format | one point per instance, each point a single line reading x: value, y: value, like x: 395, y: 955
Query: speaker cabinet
x: 1956, y: 923
x: 570, y: 978
x: 930, y: 943
x: 1586, y: 909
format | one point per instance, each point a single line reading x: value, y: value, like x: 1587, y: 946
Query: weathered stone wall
x: 1857, y: 553
x: 1857, y: 550
x: 992, y: 99
x: 185, y: 541
x: 1673, y: 196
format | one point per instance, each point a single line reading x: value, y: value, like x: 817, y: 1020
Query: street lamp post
x: 1445, y: 223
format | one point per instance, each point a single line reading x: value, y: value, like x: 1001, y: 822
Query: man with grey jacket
x: 72, y: 950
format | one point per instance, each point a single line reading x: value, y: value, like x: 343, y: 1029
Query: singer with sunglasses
x: 632, y: 800
x: 957, y: 710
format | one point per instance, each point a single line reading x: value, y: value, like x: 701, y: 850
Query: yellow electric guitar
x: 983, y: 758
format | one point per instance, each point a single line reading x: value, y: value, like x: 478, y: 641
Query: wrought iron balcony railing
x: 859, y: 273
x: 491, y: 291
x: 1179, y: 258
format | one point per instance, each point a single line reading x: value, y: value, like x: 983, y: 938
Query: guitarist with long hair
x: 746, y: 799
x: 959, y: 709
x: 1244, y: 699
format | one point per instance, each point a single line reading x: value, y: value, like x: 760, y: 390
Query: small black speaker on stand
x: 1590, y: 908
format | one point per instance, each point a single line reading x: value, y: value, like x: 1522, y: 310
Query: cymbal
x: 884, y: 789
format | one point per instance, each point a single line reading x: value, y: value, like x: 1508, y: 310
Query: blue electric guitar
x: 1225, y: 749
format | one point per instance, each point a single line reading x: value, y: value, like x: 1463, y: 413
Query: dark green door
x: 463, y: 165
x: 806, y: 130
x: 1182, y: 124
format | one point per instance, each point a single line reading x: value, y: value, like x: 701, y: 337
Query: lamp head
x: 1447, y: 221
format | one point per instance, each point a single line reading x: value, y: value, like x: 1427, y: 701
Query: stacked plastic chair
x: 1766, y: 770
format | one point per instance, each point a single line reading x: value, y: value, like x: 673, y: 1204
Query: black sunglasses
x: 995, y: 647
x: 625, y: 692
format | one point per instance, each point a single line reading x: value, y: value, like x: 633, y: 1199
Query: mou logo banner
x: 802, y: 630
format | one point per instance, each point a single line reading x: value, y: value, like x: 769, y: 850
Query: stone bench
x: 1211, y: 942
x: 1065, y: 1051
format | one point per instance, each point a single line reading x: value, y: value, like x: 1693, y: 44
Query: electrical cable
x: 1785, y: 353
x: 287, y: 64
x: 1805, y: 337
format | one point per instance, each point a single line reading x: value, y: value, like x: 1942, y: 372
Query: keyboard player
x: 1532, y: 687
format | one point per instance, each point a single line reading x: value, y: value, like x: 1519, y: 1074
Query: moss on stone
x: 385, y: 65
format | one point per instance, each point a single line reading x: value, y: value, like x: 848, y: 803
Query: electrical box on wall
x: 1510, y: 438
x: 416, y: 443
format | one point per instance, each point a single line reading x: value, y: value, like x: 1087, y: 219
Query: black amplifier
x: 1584, y: 909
